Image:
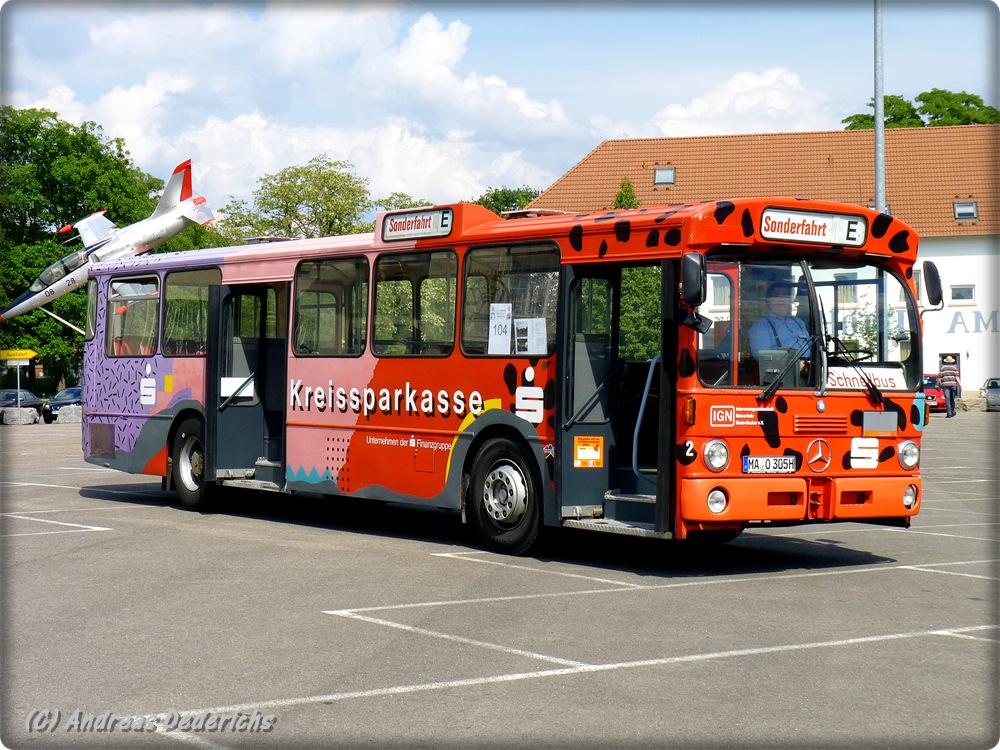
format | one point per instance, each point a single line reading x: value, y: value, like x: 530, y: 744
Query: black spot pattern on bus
x: 672, y: 237
x: 880, y: 226
x: 686, y: 366
x: 887, y: 453
x: 747, y: 223
x: 723, y: 210
x: 781, y: 405
x: 550, y: 395
x: 899, y: 410
x: 603, y: 249
x: 909, y: 272
x: 576, y: 237
x: 653, y: 238
x: 684, y: 457
x: 745, y: 450
x: 900, y: 242
x: 510, y: 377
x: 857, y: 417
x: 769, y: 424
x: 623, y: 230
x: 846, y: 461
x: 915, y: 416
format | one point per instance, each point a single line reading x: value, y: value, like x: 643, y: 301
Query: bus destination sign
x: 411, y: 225
x: 808, y: 226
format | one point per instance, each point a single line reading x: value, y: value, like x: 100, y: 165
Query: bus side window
x: 415, y: 304
x: 331, y: 307
x: 510, y: 300
x: 133, y: 315
x: 185, y: 318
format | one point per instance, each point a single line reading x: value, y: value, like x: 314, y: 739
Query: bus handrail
x: 638, y: 421
x: 232, y: 396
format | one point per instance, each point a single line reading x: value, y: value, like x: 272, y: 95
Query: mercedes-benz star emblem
x: 818, y: 455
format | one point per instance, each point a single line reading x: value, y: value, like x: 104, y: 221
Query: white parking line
x: 77, y: 526
x: 470, y: 557
x: 98, y: 490
x: 923, y: 567
x: 665, y: 661
x: 458, y: 638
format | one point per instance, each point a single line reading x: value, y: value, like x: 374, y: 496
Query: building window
x: 963, y: 294
x: 663, y: 176
x: 966, y: 210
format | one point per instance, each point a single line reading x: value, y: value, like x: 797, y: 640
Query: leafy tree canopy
x: 52, y: 173
x: 318, y: 199
x: 500, y: 199
x: 936, y: 107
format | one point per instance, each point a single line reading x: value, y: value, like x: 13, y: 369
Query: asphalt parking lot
x: 295, y: 622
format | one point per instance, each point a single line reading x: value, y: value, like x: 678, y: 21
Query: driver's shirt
x: 772, y: 332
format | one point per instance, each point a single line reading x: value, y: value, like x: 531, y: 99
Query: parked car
x: 990, y: 393
x: 65, y: 397
x: 8, y: 400
x: 933, y: 394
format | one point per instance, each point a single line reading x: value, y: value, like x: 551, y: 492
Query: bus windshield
x: 844, y: 322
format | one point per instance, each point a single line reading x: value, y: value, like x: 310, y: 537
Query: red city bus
x: 680, y: 372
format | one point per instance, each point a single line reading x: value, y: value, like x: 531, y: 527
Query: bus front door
x: 237, y: 438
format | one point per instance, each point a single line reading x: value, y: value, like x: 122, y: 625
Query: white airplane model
x: 103, y: 240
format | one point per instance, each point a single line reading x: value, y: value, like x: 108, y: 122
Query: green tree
x: 626, y: 197
x: 941, y: 107
x: 319, y: 199
x: 52, y: 173
x: 399, y: 201
x: 936, y: 107
x: 899, y: 113
x: 502, y: 199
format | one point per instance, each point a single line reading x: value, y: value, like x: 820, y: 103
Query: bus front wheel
x: 188, y: 457
x: 504, y: 499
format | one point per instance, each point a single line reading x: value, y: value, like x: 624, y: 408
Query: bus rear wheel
x: 188, y: 458
x: 504, y: 499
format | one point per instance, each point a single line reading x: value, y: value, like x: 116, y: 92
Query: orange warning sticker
x: 588, y: 452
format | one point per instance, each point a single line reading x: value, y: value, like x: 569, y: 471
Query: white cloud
x: 296, y: 38
x: 422, y: 68
x: 774, y: 100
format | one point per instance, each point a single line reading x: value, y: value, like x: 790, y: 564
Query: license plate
x: 768, y: 464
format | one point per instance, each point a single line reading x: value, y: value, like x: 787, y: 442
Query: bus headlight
x: 716, y: 455
x: 908, y: 454
x: 910, y: 496
x: 717, y: 501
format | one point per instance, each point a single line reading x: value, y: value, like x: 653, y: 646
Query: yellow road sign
x: 18, y: 354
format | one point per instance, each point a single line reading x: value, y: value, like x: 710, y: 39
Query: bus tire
x: 504, y: 502
x: 188, y: 458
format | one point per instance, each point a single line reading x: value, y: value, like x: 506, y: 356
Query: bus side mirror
x: 932, y: 282
x: 694, y: 279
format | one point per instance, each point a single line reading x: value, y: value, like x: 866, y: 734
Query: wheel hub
x: 505, y: 494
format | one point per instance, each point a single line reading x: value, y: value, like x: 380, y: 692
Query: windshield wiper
x: 873, y: 391
x: 775, y: 384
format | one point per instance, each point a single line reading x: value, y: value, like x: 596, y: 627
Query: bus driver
x: 778, y: 328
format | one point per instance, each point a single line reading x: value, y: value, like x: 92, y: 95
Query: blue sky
x: 444, y: 100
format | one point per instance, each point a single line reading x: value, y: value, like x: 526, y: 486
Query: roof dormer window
x: 966, y: 211
x: 664, y: 176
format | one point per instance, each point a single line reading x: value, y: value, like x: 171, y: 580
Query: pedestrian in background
x: 950, y: 383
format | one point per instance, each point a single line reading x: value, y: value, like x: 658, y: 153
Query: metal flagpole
x: 879, y: 115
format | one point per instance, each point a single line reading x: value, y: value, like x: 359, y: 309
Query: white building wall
x: 969, y: 329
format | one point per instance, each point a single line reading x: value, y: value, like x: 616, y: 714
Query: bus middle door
x: 233, y: 404
x: 585, y: 433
